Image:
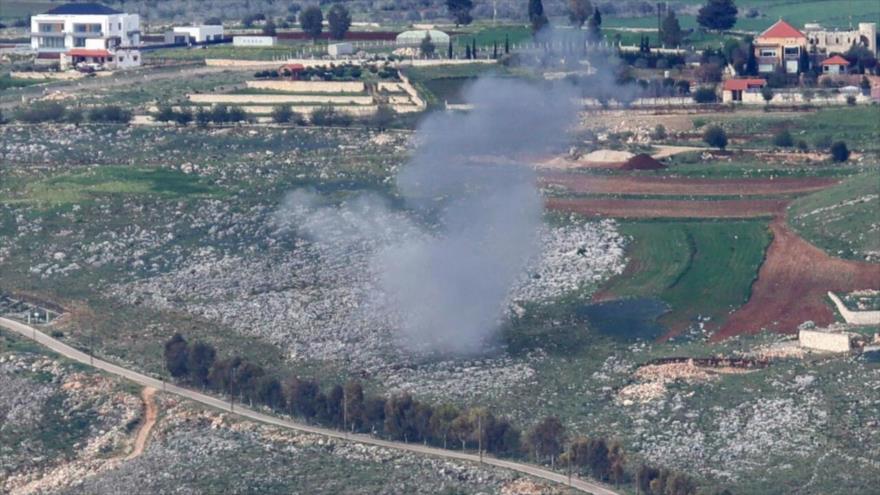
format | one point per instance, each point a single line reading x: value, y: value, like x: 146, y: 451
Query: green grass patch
x: 79, y: 187
x: 842, y: 219
x: 7, y: 82
x: 701, y: 268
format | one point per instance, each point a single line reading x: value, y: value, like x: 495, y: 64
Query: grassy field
x: 76, y: 188
x: 842, y: 220
x: 226, y: 51
x: 697, y: 268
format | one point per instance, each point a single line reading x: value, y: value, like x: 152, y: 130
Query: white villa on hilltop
x: 87, y: 33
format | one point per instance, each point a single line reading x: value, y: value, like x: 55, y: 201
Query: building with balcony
x: 780, y: 48
x: 827, y: 42
x: 88, y: 33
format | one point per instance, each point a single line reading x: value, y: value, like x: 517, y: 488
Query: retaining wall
x: 825, y: 341
x: 855, y: 317
x: 310, y: 86
x: 279, y: 99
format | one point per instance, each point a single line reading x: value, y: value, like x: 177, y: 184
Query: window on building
x: 79, y: 42
x: 768, y: 52
x: 52, y: 42
x: 792, y: 50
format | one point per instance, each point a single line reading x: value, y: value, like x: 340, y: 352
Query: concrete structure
x: 87, y: 33
x: 340, y: 49
x: 855, y: 317
x: 835, y: 65
x: 253, y: 41
x: 737, y: 90
x: 415, y: 37
x: 827, y: 42
x: 780, y: 46
x: 823, y: 340
x: 195, y: 34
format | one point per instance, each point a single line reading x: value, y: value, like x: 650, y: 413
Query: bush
x: 698, y: 123
x: 839, y: 152
x: 383, y: 117
x: 802, y: 145
x: 110, y: 114
x: 783, y: 139
x: 705, y: 95
x: 184, y: 116
x: 203, y: 117
x: 659, y: 132
x: 165, y: 114
x: 851, y: 100
x: 283, y: 114
x: 716, y: 137
x: 74, y: 116
x: 327, y: 115
x: 44, y: 111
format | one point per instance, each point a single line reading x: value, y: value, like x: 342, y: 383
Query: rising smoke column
x: 449, y: 290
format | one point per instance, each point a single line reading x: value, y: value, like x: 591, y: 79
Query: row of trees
x: 401, y: 417
x: 325, y: 115
x: 54, y: 111
x: 579, y: 13
x: 716, y: 137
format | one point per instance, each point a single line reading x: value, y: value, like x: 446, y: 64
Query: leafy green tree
x: 176, y: 355
x: 670, y: 30
x: 545, y: 439
x: 165, y: 114
x: 783, y: 139
x: 441, y: 422
x: 460, y: 10
x: 301, y: 397
x: 200, y: 360
x: 353, y: 404
x: 717, y: 15
x: 73, y: 116
x: 767, y: 94
x: 203, y: 117
x: 400, y: 412
x: 268, y: 392
x: 110, y: 114
x: 269, y: 28
x: 839, y: 152
x: 716, y: 137
x: 426, y: 47
x: 537, y: 18
x: 338, y: 21
x: 594, y: 26
x: 705, y: 94
x: 579, y: 11
x: 184, y: 116
x: 311, y: 20
x: 383, y: 117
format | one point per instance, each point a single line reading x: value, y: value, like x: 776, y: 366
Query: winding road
x: 148, y: 381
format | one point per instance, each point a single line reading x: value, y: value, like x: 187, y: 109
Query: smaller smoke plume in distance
x: 448, y: 283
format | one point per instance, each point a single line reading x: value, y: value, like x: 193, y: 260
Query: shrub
x: 851, y: 100
x: 327, y: 115
x: 383, y: 117
x: 839, y: 152
x: 659, y: 132
x: 705, y: 94
x: 203, y: 117
x: 767, y: 93
x: 716, y: 137
x: 237, y: 114
x: 44, y: 111
x: 698, y: 123
x: 802, y: 145
x: 165, y: 114
x: 783, y: 139
x: 282, y: 114
x: 74, y: 116
x: 184, y: 116
x: 110, y: 114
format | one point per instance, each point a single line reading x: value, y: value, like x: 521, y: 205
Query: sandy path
x: 636, y: 208
x: 150, y: 415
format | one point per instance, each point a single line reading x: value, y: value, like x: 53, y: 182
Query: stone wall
x: 310, y: 86
x: 279, y: 99
x: 855, y: 317
x: 825, y: 341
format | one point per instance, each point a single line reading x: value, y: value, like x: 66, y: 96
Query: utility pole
x: 345, y: 410
x: 480, y: 435
x: 92, y: 347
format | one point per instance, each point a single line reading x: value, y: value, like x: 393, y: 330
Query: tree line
x: 349, y: 407
x: 55, y: 111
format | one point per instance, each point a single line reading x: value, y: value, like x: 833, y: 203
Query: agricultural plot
x: 842, y: 220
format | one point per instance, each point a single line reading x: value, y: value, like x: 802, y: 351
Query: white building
x: 197, y: 34
x: 88, y: 33
x: 253, y: 41
x: 336, y: 50
x: 415, y: 37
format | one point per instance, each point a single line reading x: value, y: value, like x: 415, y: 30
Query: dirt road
x: 636, y: 208
x: 629, y: 184
x: 147, y: 381
x: 792, y: 285
x: 151, y: 412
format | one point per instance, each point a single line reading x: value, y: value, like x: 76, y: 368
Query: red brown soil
x: 588, y: 184
x: 637, y: 208
x: 792, y: 285
x: 642, y: 162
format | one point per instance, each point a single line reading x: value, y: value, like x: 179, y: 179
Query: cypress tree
x: 449, y: 49
x: 467, y: 51
x: 495, y: 50
x: 506, y: 44
x: 474, y: 47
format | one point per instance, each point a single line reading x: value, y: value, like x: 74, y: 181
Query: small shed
x: 835, y: 65
x: 339, y: 49
x: 415, y: 37
x: 734, y: 89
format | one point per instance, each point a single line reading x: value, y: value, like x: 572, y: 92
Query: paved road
x: 147, y: 381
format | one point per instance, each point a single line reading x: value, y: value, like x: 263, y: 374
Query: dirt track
x: 150, y: 414
x: 792, y: 284
x: 590, y: 184
x: 635, y: 208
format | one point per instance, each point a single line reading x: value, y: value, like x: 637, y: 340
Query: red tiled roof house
x: 780, y: 46
x: 835, y: 65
